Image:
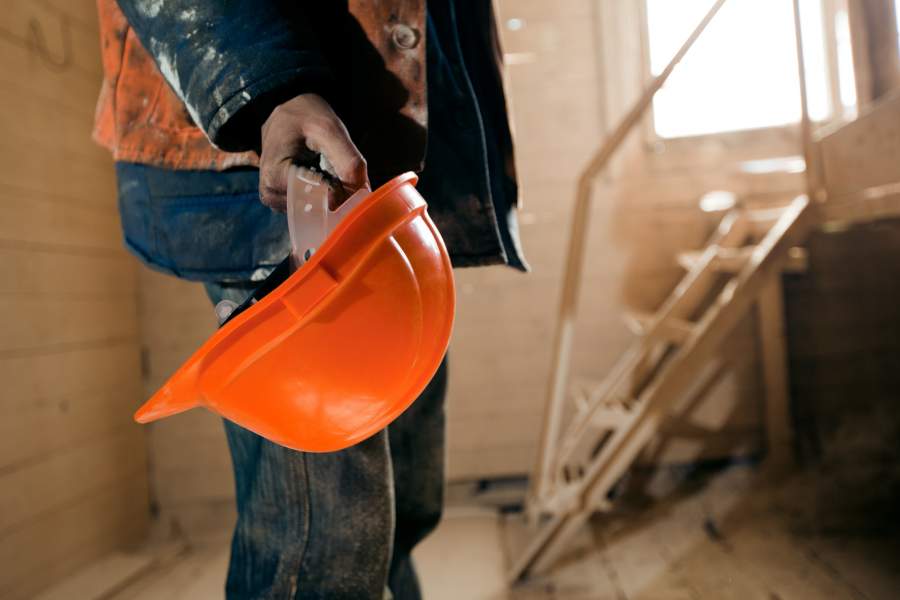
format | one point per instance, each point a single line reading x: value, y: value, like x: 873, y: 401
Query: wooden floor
x: 733, y: 536
x: 728, y: 536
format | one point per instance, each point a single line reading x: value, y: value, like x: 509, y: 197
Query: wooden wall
x: 843, y: 326
x: 73, y: 482
x: 843, y: 331
x: 190, y: 470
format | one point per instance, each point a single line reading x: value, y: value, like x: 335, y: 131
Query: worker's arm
x: 302, y: 130
x: 229, y: 59
x: 241, y: 64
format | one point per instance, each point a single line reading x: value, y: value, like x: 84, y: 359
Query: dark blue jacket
x: 210, y: 225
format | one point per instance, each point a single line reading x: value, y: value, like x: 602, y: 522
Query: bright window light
x: 742, y: 72
x: 897, y: 15
x: 845, y: 63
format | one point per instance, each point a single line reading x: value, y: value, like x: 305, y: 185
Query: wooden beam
x: 724, y: 260
x: 876, y: 61
x: 672, y: 330
x: 779, y: 430
x: 610, y: 417
x: 810, y: 149
x: 732, y: 260
x: 832, y: 60
x: 864, y: 153
x: 762, y: 219
x: 882, y: 202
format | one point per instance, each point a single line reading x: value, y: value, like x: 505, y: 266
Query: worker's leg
x: 417, y: 451
x: 309, y: 525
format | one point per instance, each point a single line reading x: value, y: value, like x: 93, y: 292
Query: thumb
x: 340, y: 157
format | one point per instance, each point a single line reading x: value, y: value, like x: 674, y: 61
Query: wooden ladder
x: 613, y: 421
x: 616, y: 419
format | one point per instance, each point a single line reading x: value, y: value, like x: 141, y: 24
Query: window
x: 742, y: 72
x: 897, y: 15
x: 844, y: 50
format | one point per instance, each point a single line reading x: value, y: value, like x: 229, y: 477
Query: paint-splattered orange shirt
x: 139, y: 117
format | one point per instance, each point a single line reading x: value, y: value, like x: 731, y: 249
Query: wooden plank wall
x: 73, y: 481
x: 863, y: 154
x: 859, y: 164
x: 844, y: 350
x: 191, y: 469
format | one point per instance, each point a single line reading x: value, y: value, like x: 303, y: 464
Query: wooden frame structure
x: 740, y: 269
x: 616, y: 419
x: 552, y: 422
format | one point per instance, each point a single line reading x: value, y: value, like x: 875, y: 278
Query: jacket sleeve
x: 230, y: 61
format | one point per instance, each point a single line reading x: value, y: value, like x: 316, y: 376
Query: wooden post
x: 829, y: 13
x: 810, y: 156
x: 770, y: 312
x: 876, y: 61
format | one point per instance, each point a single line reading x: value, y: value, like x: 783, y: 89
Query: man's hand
x: 302, y: 131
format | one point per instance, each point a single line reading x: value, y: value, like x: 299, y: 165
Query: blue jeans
x: 340, y: 524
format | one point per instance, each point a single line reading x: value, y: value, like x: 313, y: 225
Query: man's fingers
x: 295, y: 133
x: 332, y: 140
x: 273, y: 185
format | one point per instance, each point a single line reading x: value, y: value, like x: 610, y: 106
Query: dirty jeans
x: 338, y: 524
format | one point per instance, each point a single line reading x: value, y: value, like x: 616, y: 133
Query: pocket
x: 218, y: 237
x: 200, y: 225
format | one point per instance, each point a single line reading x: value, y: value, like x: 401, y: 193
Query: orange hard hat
x: 322, y: 358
